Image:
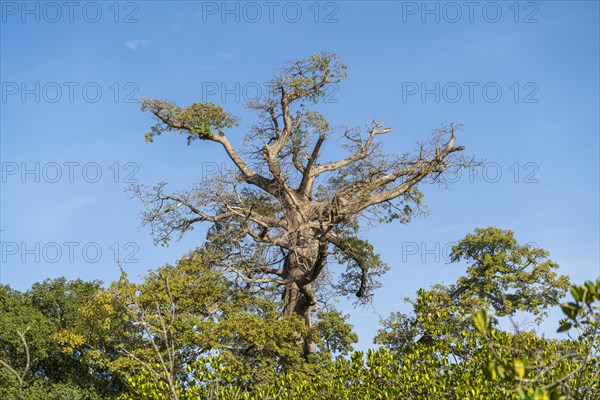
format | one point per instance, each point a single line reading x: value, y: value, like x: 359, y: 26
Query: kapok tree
x: 271, y: 223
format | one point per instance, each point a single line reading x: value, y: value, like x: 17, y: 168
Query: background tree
x: 34, y: 362
x: 503, y: 277
x: 272, y: 222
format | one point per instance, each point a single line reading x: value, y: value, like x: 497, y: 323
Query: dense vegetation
x: 191, y: 331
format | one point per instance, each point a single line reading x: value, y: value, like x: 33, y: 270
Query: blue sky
x: 524, y: 81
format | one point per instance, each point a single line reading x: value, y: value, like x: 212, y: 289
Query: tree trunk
x: 295, y: 299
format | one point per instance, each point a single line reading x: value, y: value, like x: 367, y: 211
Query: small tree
x: 270, y: 220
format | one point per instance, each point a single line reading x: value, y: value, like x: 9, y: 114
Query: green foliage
x: 364, y: 267
x: 51, y: 371
x: 333, y: 333
x: 511, y: 276
x: 582, y: 313
x: 537, y: 368
x: 180, y: 316
x: 464, y: 356
x: 192, y: 331
x: 302, y: 76
x: 198, y: 121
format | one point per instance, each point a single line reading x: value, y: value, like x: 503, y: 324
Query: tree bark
x: 298, y: 299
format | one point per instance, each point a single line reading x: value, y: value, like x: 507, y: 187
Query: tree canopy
x: 289, y: 209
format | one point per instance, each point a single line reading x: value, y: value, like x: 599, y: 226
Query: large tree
x: 287, y: 209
